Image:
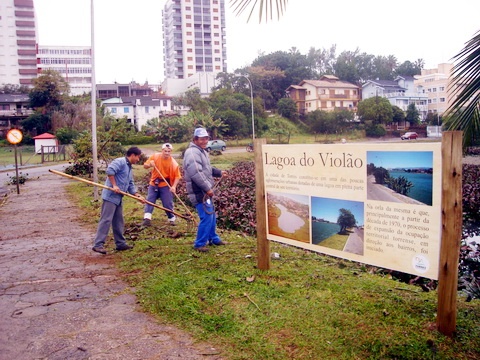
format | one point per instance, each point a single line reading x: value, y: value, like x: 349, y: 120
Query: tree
x: 412, y: 116
x: 321, y: 61
x: 14, y: 89
x: 192, y: 100
x: 210, y: 121
x: 280, y: 128
x: 408, y: 68
x: 377, y: 109
x: 287, y: 108
x: 49, y: 92
x: 275, y: 72
x: 37, y: 123
x: 398, y: 115
x: 346, y: 220
x: 237, y: 123
x: 319, y: 122
x: 464, y: 113
x: 170, y: 129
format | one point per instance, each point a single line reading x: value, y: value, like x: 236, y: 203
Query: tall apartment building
x: 74, y: 63
x: 194, y: 38
x: 435, y: 85
x: 18, y: 39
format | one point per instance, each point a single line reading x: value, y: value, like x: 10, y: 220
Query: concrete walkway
x: 60, y: 300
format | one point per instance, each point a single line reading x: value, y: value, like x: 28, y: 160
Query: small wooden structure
x: 48, y: 141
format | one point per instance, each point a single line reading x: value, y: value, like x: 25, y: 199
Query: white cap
x: 200, y: 132
x: 167, y: 145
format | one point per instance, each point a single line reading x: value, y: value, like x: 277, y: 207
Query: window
x: 441, y: 88
x: 442, y: 99
x: 126, y: 110
x: 113, y: 110
x: 147, y: 110
x: 165, y: 103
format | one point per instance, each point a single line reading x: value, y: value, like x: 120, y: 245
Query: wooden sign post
x: 263, y: 245
x: 451, y: 231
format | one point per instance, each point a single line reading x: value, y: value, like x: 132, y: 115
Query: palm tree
x: 265, y: 7
x: 464, y: 113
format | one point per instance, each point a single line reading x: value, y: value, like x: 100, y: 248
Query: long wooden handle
x: 169, y: 186
x: 120, y: 192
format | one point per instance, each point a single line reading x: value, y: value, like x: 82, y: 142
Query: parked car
x: 411, y: 135
x: 216, y: 145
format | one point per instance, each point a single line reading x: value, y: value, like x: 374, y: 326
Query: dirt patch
x: 60, y: 300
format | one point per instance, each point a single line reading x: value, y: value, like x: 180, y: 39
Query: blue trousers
x: 206, y: 231
x: 165, y: 196
x: 111, y: 215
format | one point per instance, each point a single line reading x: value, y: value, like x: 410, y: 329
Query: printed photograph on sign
x: 288, y: 216
x: 338, y: 224
x: 400, y: 176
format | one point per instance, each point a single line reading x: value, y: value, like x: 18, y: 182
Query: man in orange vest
x: 163, y: 182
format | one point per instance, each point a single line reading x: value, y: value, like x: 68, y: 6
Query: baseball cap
x: 200, y: 132
x: 167, y: 145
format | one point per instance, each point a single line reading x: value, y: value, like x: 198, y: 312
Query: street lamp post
x: 251, y: 100
x: 94, y: 104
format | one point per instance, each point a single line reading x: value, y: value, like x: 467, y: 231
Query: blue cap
x: 200, y: 132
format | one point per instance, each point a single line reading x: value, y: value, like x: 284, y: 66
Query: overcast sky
x: 128, y: 34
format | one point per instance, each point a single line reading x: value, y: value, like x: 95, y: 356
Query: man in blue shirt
x: 120, y: 178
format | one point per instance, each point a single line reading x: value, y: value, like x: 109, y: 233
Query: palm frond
x: 464, y: 113
x: 266, y: 8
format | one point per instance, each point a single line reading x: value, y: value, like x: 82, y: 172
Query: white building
x: 18, y: 39
x: 435, y: 86
x: 203, y: 81
x: 138, y: 109
x: 74, y: 63
x: 401, y: 92
x: 194, y: 43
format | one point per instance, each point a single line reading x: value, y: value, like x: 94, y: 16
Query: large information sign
x: 378, y: 204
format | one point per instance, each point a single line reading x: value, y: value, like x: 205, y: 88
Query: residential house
x: 138, y: 109
x: 328, y: 93
x: 13, y: 109
x: 400, y: 92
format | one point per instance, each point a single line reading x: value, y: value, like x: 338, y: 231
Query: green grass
x: 25, y: 155
x: 335, y: 241
x: 307, y: 306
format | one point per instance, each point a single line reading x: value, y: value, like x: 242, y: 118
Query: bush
x: 22, y: 178
x: 139, y: 139
x: 234, y: 199
x: 375, y: 131
x: 66, y: 135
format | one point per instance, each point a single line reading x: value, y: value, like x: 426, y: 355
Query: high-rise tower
x: 194, y: 37
x: 18, y: 39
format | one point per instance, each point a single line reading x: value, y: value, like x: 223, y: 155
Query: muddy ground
x: 59, y: 299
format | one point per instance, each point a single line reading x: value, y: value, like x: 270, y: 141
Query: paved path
x: 60, y: 300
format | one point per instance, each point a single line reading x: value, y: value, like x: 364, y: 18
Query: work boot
x: 124, y: 247
x: 201, y: 249
x: 172, y: 220
x: 146, y: 222
x: 100, y: 249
